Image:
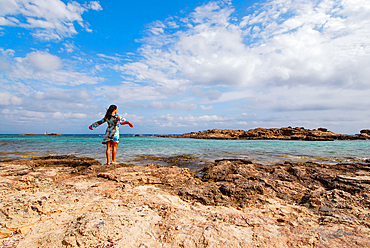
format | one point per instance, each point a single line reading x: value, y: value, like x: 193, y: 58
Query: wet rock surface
x: 285, y: 133
x: 236, y: 203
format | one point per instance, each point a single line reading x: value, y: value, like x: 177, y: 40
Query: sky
x: 183, y: 66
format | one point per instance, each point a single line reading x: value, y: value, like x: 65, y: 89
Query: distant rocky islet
x: 285, y: 133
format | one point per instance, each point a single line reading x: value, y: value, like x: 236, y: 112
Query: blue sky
x: 181, y: 66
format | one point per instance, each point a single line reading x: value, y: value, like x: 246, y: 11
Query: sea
x: 195, y: 152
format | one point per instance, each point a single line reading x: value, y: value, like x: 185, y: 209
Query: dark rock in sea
x: 286, y: 133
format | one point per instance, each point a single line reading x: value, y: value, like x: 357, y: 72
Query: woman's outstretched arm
x: 123, y: 121
x: 96, y: 124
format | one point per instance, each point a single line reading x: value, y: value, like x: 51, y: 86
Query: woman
x: 111, y: 136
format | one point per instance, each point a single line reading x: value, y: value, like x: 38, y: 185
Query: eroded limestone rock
x: 236, y: 203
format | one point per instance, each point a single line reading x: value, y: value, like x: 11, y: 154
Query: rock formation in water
x: 286, y: 133
x: 77, y: 202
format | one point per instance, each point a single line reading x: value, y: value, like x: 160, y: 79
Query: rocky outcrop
x: 365, y: 133
x: 287, y: 133
x: 236, y: 203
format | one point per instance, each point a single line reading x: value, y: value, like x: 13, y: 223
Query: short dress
x: 112, y: 132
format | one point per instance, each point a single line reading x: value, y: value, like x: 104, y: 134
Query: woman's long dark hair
x: 110, y: 110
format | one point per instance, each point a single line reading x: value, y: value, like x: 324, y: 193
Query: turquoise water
x: 131, y: 149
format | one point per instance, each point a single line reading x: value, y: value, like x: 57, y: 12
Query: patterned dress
x: 112, y: 132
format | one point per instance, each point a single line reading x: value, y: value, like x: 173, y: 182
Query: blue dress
x: 112, y: 132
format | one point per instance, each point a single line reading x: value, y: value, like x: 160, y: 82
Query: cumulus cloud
x: 19, y: 115
x: 292, y: 43
x: 208, y: 108
x: 49, y: 20
x: 43, y: 61
x: 46, y: 68
x: 283, y: 57
x: 289, y: 61
x: 7, y: 98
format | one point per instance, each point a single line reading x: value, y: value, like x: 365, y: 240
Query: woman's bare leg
x: 114, y: 152
x: 108, y: 152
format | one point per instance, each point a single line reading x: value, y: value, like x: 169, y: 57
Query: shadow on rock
x: 340, y: 193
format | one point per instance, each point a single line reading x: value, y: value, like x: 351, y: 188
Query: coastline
x: 67, y: 201
x: 137, y: 149
x: 284, y: 133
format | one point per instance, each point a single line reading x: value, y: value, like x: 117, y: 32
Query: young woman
x: 111, y: 136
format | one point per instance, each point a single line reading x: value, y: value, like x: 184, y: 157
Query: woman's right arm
x: 96, y: 124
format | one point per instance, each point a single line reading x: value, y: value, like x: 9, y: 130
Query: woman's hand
x: 127, y: 122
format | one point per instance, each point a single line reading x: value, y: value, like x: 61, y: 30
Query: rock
x: 356, y: 179
x: 322, y: 129
x: 285, y: 133
x: 325, y: 209
x: 236, y: 203
x: 365, y: 131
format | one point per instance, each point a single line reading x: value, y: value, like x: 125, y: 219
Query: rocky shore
x: 285, y: 133
x: 67, y: 201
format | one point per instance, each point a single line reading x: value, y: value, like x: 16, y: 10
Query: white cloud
x: 129, y: 92
x: 51, y: 20
x: 22, y: 114
x: 241, y: 123
x: 282, y: 42
x: 207, y: 108
x: 4, y: 55
x: 289, y: 61
x: 7, y: 52
x: 109, y: 58
x: 7, y: 98
x: 175, y: 120
x: 70, y: 96
x: 44, y: 61
x: 43, y: 67
x: 173, y: 105
x: 169, y: 120
x: 210, y: 94
x: 213, y: 118
x: 305, y: 98
x: 4, y: 65
x: 69, y: 115
x: 287, y: 56
x: 135, y: 119
x: 68, y: 47
x: 205, y: 118
x: 94, y: 5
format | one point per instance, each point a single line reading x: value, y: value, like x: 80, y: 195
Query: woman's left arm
x: 123, y: 121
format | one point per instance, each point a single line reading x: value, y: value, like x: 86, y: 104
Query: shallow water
x: 132, y: 149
